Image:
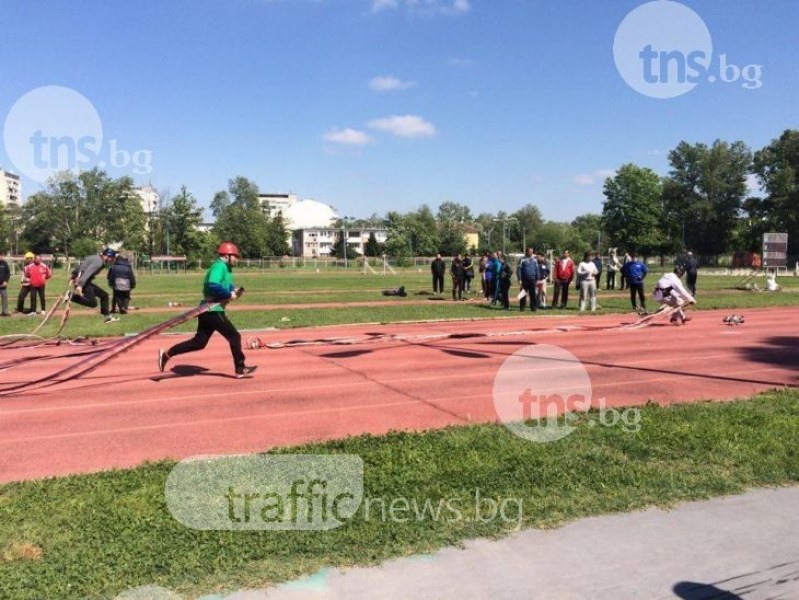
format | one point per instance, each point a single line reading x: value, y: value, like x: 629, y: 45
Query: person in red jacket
x: 37, y: 273
x: 564, y: 274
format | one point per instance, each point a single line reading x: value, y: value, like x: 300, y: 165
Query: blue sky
x: 377, y: 105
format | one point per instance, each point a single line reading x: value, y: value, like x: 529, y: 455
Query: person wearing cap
x: 670, y: 292
x: 86, y: 292
x: 25, y: 288
x: 218, y: 288
x: 5, y: 277
x: 37, y: 273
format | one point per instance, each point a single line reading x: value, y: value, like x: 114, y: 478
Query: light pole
x: 504, y: 222
x: 344, y: 239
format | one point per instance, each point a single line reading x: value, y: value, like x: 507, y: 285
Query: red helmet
x: 226, y: 248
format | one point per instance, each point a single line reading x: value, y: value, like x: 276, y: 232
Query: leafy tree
x: 706, y: 189
x: 454, y: 212
x: 777, y: 168
x: 337, y: 250
x: 528, y: 221
x: 241, y: 219
x: 588, y: 228
x: 632, y: 212
x: 181, y: 217
x: 373, y: 247
x: 451, y: 239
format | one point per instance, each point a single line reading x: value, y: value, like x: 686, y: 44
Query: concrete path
x: 738, y: 547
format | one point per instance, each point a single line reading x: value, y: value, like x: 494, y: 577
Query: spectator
x: 5, y: 277
x: 613, y: 267
x: 121, y: 279
x: 527, y: 276
x: 86, y: 291
x: 634, y: 272
x: 38, y: 273
x: 564, y: 274
x: 437, y: 268
x: 488, y: 275
x: 468, y: 270
x: 543, y: 278
x: 25, y: 284
x: 691, y: 268
x: 587, y: 273
x: 458, y: 276
x: 598, y: 263
x: 504, y: 278
x: 496, y: 263
x: 625, y: 261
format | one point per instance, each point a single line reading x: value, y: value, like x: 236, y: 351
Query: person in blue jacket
x: 634, y: 272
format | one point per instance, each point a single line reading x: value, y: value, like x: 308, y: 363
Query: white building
x: 148, y: 198
x: 277, y: 203
x: 319, y: 241
x: 10, y: 189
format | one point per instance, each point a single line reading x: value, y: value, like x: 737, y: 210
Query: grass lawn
x: 93, y: 536
x: 282, y: 289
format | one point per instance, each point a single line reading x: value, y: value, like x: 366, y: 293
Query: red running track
x: 126, y: 412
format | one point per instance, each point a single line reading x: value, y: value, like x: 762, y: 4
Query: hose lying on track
x: 106, y: 353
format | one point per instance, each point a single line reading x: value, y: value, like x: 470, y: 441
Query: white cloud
x: 378, y: 5
x: 408, y: 126
x: 591, y: 178
x: 350, y: 137
x: 425, y: 7
x: 389, y: 83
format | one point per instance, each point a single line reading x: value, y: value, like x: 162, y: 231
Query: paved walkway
x: 737, y: 547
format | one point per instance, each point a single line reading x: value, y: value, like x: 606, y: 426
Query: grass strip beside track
x: 93, y: 536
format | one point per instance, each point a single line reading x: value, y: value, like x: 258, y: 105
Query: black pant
x: 490, y: 289
x: 23, y: 294
x: 457, y: 288
x: 623, y: 282
x: 690, y: 281
x: 438, y: 283
x: 207, y: 324
x: 598, y: 280
x: 528, y: 285
x: 637, y: 288
x: 89, y: 298
x: 37, y: 291
x: 611, y: 281
x: 120, y: 300
x: 504, y: 288
x: 561, y: 292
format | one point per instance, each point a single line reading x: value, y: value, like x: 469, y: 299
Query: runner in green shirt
x: 217, y: 287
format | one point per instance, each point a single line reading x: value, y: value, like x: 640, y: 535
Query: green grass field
x: 282, y: 291
x: 93, y: 536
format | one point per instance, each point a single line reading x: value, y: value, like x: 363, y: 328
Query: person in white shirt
x: 671, y: 292
x: 586, y: 273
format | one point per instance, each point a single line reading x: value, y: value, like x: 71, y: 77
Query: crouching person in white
x: 671, y: 292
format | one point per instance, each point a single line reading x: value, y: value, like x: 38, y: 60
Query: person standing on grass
x: 625, y: 261
x: 527, y: 276
x: 86, y: 291
x: 543, y: 279
x: 634, y: 272
x: 5, y: 277
x: 38, y: 273
x: 217, y: 288
x: 613, y: 267
x: 564, y: 274
x: 691, y: 268
x: 504, y: 278
x: 482, y: 269
x: 496, y: 265
x: 587, y: 273
x: 25, y: 284
x: 121, y: 279
x: 598, y: 263
x: 458, y: 274
x: 468, y: 273
x: 437, y: 268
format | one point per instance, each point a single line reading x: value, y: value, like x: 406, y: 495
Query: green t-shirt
x: 218, y: 283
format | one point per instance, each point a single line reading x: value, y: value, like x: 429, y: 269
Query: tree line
x: 703, y: 203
